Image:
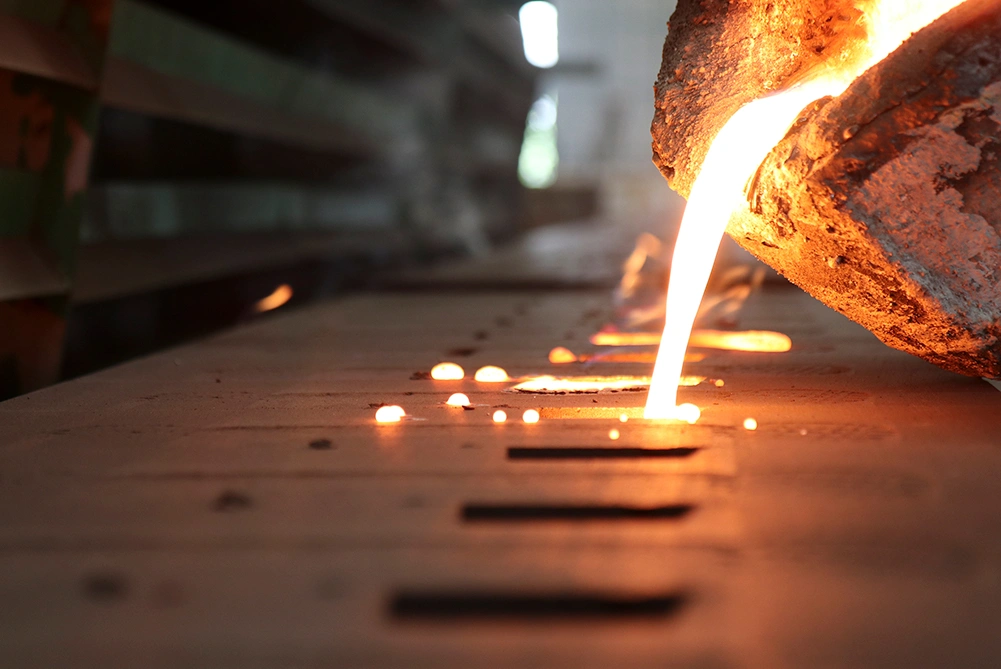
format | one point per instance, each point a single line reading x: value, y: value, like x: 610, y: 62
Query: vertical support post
x: 47, y: 127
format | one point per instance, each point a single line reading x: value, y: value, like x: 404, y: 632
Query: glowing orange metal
x: 281, y: 295
x: 736, y: 152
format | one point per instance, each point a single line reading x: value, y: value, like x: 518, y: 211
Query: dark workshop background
x: 236, y: 146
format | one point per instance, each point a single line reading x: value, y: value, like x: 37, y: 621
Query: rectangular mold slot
x: 473, y: 513
x: 456, y: 606
x: 596, y: 453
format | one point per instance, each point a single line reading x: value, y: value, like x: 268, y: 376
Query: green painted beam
x: 18, y: 198
x: 177, y: 47
x: 45, y: 12
x: 162, y: 210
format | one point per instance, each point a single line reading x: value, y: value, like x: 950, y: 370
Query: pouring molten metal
x: 862, y: 202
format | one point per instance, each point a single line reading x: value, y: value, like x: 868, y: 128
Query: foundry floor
x: 232, y: 504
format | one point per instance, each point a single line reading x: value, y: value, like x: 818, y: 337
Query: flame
x: 736, y: 152
x: 613, y: 434
x: 646, y: 246
x: 750, y: 424
x: 390, y: 414
x: 760, y: 341
x: 279, y: 297
x: 491, y: 374
x: 447, y: 371
x: 531, y: 416
x: 500, y: 416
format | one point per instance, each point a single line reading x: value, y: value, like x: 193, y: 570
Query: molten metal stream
x: 739, y: 148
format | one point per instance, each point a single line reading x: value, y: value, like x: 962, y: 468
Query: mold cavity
x: 596, y: 453
x: 473, y: 513
x: 501, y: 605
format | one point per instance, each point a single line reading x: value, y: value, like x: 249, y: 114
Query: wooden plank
x: 32, y: 48
x: 24, y: 273
x: 115, y: 269
x: 232, y: 502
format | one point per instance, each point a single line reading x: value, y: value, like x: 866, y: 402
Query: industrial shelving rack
x: 227, y: 137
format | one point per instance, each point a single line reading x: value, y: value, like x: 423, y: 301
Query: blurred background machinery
x: 165, y: 164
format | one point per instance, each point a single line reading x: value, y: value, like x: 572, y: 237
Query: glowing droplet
x: 447, y: 371
x: 530, y: 416
x: 613, y: 434
x: 802, y: 433
x: 279, y: 297
x: 750, y: 424
x: 391, y: 414
x: 491, y: 374
x: 719, y: 383
x: 562, y: 356
x: 623, y: 418
x: 500, y: 416
x: 688, y: 413
x: 458, y: 400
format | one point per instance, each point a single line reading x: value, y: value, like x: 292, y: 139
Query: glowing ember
x: 759, y: 341
x: 623, y: 418
x: 750, y: 424
x: 279, y: 297
x: 491, y: 374
x: 613, y: 434
x: 719, y: 383
x: 551, y: 385
x: 736, y: 152
x: 393, y: 414
x: 458, y: 400
x: 530, y: 416
x: 447, y: 371
x: 562, y: 356
x: 500, y: 416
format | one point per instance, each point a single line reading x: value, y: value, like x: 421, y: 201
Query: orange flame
x: 646, y: 246
x: 279, y: 297
x: 736, y: 152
